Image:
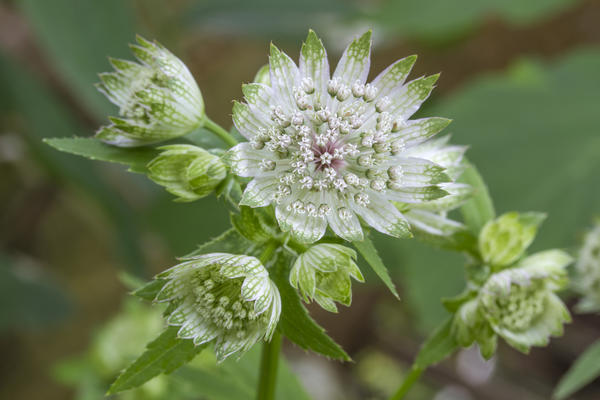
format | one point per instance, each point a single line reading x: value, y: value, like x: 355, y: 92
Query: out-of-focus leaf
x: 150, y: 289
x: 479, y: 209
x: 229, y: 241
x: 368, y: 251
x: 235, y: 379
x: 295, y: 323
x: 94, y: 149
x: 437, y: 347
x: 28, y: 301
x: 585, y: 369
x: 533, y: 134
x: 440, y: 20
x: 43, y: 115
x: 163, y: 355
x: 78, y: 36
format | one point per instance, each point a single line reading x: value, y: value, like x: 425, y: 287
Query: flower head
x: 187, y: 171
x: 587, y: 272
x: 322, y: 273
x: 225, y: 298
x: 158, y: 98
x: 326, y: 150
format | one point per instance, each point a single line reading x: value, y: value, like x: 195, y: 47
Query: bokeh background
x: 519, y: 78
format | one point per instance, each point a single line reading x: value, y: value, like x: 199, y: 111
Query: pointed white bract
x: 189, y: 172
x: 158, y: 98
x: 224, y: 298
x: 587, y: 272
x: 327, y: 150
x: 322, y: 273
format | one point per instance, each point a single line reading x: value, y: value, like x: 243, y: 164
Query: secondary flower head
x: 327, y: 150
x: 322, y: 273
x: 158, y: 98
x: 587, y: 272
x: 225, y: 298
x: 187, y: 171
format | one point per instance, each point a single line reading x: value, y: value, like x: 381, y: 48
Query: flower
x: 187, y: 171
x: 328, y: 150
x: 322, y: 273
x: 158, y: 98
x: 587, y: 272
x: 225, y: 298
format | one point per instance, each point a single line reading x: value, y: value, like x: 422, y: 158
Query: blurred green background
x: 519, y: 78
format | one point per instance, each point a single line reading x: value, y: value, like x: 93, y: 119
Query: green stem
x: 220, y: 132
x: 268, y: 368
x: 410, y: 379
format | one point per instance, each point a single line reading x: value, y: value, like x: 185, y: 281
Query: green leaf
x: 150, y: 289
x: 585, y: 369
x: 440, y: 345
x: 162, y: 356
x: 94, y: 149
x: 369, y: 253
x: 250, y: 225
x: 78, y: 46
x: 479, y: 209
x: 229, y: 241
x: 295, y: 323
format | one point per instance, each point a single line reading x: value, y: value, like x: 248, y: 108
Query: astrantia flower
x: 187, y: 171
x: 322, y: 273
x: 327, y: 150
x: 158, y: 98
x: 225, y: 298
x: 587, y: 272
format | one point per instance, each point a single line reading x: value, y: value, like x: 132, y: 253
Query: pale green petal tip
x: 263, y: 75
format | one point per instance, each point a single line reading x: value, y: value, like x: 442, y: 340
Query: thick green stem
x: 410, y: 379
x: 220, y: 132
x: 268, y: 368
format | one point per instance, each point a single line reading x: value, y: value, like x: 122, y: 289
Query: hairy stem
x: 220, y: 132
x: 268, y: 368
x: 410, y: 379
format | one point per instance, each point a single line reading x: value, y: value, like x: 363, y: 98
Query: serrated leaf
x: 162, y: 356
x: 229, y: 241
x: 585, y: 369
x: 94, y: 149
x: 368, y: 251
x: 249, y: 224
x: 439, y: 346
x: 295, y: 323
x: 479, y: 209
x: 150, y: 289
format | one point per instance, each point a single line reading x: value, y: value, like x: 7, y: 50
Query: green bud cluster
x: 323, y: 272
x: 189, y: 172
x: 587, y: 272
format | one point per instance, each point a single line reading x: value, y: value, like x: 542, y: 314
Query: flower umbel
x: 322, y: 273
x: 187, y: 171
x: 158, y: 98
x: 225, y: 298
x: 587, y: 272
x: 329, y: 149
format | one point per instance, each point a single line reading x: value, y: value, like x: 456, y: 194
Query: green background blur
x: 520, y: 79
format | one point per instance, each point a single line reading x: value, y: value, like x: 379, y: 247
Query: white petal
x: 349, y: 228
x: 247, y: 123
x: 284, y: 77
x: 259, y: 192
x: 245, y: 160
x: 383, y: 216
x: 411, y: 96
x: 314, y: 65
x: 355, y: 62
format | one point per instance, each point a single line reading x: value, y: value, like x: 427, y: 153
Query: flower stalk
x: 268, y: 368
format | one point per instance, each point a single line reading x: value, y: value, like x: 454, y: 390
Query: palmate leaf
x: 369, y: 253
x: 295, y: 323
x: 585, y: 369
x: 92, y: 148
x: 162, y: 356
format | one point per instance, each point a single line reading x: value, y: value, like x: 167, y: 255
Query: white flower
x: 327, y: 150
x: 158, y: 98
x: 225, y: 298
x: 587, y: 272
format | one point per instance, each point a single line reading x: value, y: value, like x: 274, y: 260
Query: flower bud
x: 263, y: 75
x: 158, y: 98
x: 322, y: 273
x: 502, y: 241
x: 587, y: 272
x: 189, y: 172
x: 222, y: 298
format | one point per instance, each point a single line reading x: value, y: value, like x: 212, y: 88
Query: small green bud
x: 189, y: 172
x: 587, y: 272
x: 224, y: 298
x: 158, y: 98
x: 263, y: 75
x: 504, y: 240
x: 322, y: 273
